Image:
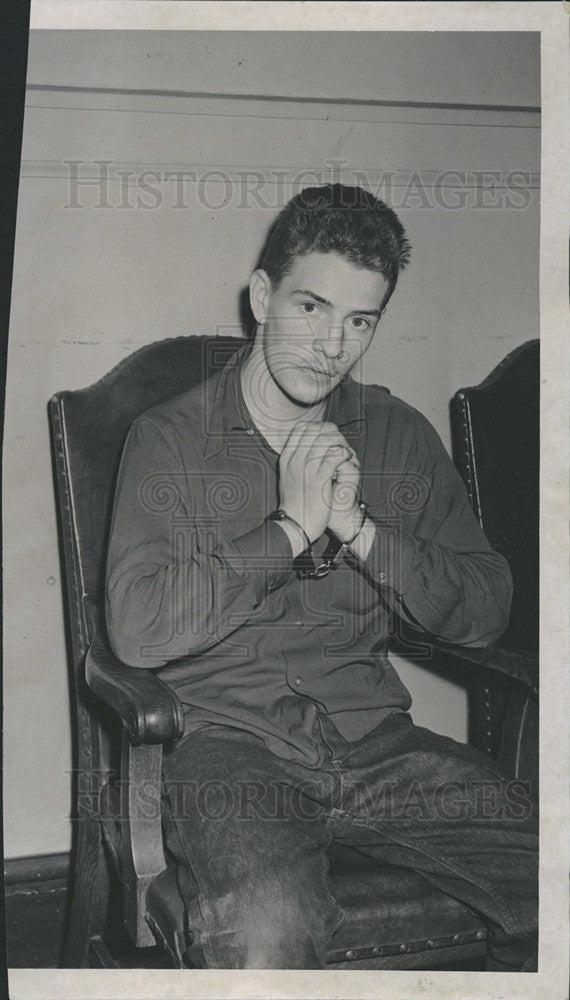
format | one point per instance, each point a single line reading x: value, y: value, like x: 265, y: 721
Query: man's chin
x: 302, y: 397
x: 307, y: 388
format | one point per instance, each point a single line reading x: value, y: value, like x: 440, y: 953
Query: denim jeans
x: 249, y: 833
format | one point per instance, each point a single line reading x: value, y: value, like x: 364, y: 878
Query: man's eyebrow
x: 325, y: 302
x: 317, y: 298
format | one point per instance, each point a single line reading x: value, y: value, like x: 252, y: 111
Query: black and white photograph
x: 285, y: 488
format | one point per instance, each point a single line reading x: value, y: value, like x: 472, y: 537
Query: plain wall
x: 92, y: 284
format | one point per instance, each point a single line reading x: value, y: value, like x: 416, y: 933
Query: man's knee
x: 272, y: 923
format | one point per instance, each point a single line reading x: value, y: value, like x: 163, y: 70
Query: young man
x: 268, y: 526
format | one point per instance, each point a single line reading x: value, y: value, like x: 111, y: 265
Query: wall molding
x: 34, y: 872
x: 210, y: 95
x: 36, y: 897
x: 243, y: 105
x: 130, y: 173
x: 201, y: 133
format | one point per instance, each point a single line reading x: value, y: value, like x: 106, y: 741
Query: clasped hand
x: 319, y: 476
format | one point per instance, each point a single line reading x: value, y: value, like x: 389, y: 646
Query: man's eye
x: 360, y: 323
x: 308, y: 307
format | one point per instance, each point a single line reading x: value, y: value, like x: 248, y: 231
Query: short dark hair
x: 335, y: 218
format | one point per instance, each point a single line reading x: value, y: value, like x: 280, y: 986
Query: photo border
x: 551, y: 982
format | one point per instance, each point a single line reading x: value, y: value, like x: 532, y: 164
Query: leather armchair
x: 124, y: 717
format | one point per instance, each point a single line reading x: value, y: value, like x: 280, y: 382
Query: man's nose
x: 332, y: 345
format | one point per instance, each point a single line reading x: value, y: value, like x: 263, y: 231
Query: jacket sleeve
x: 174, y: 586
x: 431, y: 558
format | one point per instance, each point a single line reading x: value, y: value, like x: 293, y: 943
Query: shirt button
x: 298, y: 681
x: 250, y: 431
x: 298, y: 623
x: 382, y: 577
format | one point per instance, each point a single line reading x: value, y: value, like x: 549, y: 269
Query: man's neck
x: 272, y: 412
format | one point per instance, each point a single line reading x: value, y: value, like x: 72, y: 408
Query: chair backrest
x: 89, y: 427
x: 496, y: 436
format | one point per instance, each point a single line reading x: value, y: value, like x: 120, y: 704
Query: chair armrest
x: 503, y: 703
x: 508, y: 664
x: 150, y: 710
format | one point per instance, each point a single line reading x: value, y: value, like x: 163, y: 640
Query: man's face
x: 317, y: 322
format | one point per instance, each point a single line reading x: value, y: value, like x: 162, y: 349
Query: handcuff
x: 304, y: 564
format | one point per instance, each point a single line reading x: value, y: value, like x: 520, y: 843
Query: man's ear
x: 259, y: 292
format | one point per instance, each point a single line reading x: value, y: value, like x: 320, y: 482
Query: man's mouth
x: 320, y: 371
